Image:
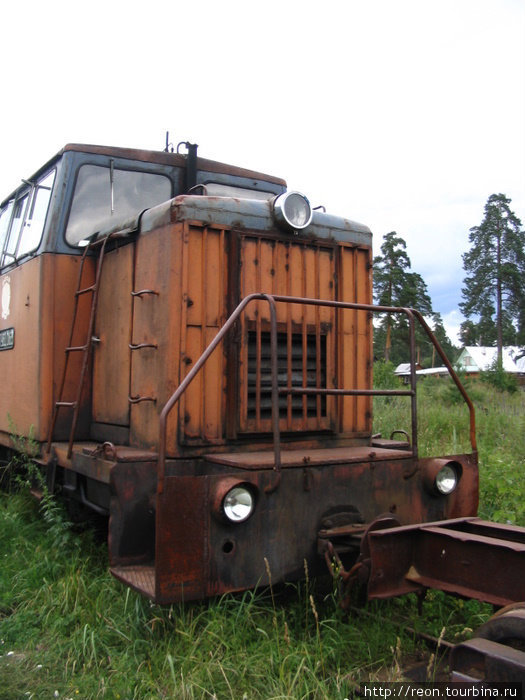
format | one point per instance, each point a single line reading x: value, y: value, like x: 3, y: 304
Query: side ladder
x: 85, y: 349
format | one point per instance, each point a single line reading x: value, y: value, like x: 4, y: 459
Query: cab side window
x: 5, y: 220
x: 17, y: 221
x: 22, y: 220
x: 36, y: 215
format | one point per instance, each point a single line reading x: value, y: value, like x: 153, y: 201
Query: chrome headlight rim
x: 447, y: 479
x: 238, y: 504
x: 283, y: 214
x: 435, y: 471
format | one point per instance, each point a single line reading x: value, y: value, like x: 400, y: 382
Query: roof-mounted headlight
x: 292, y: 211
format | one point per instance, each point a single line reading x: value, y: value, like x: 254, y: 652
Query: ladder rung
x: 68, y: 404
x: 86, y: 290
x: 76, y: 348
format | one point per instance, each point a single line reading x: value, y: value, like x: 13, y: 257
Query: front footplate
x: 469, y: 557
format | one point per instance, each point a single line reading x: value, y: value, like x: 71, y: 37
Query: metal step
x: 139, y: 577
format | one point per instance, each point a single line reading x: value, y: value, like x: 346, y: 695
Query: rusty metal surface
x: 200, y: 553
x: 182, y: 532
x: 392, y: 444
x: 482, y: 659
x: 131, y: 530
x: 123, y: 453
x: 249, y: 215
x: 94, y: 468
x: 453, y: 556
x: 96, y: 460
x: 140, y: 578
x: 305, y: 458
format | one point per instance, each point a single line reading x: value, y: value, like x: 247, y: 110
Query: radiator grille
x: 302, y: 363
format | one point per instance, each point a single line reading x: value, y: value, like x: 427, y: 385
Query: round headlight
x: 446, y: 479
x: 292, y: 211
x: 238, y: 504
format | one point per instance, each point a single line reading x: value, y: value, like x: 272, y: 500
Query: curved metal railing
x: 276, y: 391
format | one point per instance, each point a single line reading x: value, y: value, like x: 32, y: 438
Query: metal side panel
x: 181, y: 559
x: 111, y: 356
x: 131, y: 530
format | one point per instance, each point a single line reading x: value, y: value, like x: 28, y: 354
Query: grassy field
x: 69, y: 630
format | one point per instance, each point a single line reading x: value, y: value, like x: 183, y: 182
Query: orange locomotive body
x: 189, y: 347
x: 119, y: 268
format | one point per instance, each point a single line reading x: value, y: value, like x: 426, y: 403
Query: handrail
x: 454, y: 376
x: 411, y: 314
x: 189, y: 378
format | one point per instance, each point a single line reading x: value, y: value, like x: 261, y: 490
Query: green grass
x: 68, y: 629
x: 73, y: 629
x: 443, y: 429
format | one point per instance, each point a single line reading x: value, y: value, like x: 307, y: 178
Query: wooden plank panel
x: 193, y: 405
x: 202, y: 407
x: 291, y: 268
x: 194, y: 289
x: 363, y: 341
x: 213, y: 395
x: 355, y: 339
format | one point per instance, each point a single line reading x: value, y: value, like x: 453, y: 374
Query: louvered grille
x: 303, y: 365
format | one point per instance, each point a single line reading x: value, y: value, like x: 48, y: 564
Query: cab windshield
x: 106, y: 195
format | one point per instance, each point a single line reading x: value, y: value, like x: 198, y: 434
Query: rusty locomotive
x: 190, y: 346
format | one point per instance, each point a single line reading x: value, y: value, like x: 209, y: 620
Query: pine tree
x: 494, y: 288
x: 468, y: 333
x: 443, y: 339
x: 396, y: 285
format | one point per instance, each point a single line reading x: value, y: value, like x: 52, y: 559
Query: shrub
x: 498, y: 378
x: 384, y: 377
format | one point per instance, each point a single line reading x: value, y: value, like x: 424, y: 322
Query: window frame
x: 30, y: 193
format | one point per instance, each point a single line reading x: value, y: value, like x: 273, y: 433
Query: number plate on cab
x: 7, y: 339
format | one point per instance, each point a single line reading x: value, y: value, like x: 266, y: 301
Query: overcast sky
x: 404, y: 115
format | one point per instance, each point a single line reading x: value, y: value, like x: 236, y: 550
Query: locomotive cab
x: 45, y: 225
